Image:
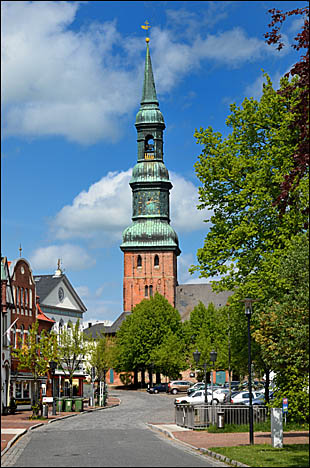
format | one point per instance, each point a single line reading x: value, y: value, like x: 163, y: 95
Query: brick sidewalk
x: 15, y: 425
x: 202, y: 439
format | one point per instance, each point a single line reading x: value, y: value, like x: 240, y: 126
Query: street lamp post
x: 53, y: 366
x: 213, y: 356
x: 248, y: 312
x: 196, y: 355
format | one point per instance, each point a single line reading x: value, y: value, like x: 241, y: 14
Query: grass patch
x: 258, y: 427
x: 296, y: 455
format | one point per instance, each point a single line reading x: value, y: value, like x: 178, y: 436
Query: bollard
x: 220, y: 419
x: 276, y: 427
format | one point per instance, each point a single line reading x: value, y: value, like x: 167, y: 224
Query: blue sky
x: 72, y: 75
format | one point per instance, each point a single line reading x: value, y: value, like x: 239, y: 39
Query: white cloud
x: 105, y: 209
x: 184, y: 200
x: 73, y: 258
x: 81, y: 84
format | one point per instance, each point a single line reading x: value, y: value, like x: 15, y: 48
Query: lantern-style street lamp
x: 53, y: 365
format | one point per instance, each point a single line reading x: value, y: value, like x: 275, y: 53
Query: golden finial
x: 146, y: 26
x: 20, y: 250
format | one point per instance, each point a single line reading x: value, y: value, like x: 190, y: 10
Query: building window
x: 156, y: 261
x: 17, y: 295
x: 21, y: 337
x: 146, y: 291
x: 149, y: 144
x: 28, y: 338
x: 14, y: 336
x: 18, y: 390
x: 151, y: 291
x: 139, y: 261
x: 5, y: 327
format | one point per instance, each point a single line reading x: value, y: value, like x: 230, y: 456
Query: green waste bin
x: 78, y: 404
x: 68, y: 404
x: 59, y: 404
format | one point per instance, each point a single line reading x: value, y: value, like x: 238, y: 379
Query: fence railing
x: 199, y: 416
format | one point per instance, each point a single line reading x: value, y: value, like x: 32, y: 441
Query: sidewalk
x: 13, y: 426
x: 203, y: 441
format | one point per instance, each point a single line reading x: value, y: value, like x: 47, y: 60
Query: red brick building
x: 26, y: 313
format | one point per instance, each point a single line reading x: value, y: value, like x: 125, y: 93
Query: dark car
x: 162, y: 387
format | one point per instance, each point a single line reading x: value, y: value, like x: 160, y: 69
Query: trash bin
x: 220, y: 420
x: 45, y: 411
x: 78, y: 404
x: 68, y: 404
x: 59, y: 404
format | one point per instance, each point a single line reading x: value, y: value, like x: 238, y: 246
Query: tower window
x: 139, y: 261
x: 151, y: 291
x: 146, y: 291
x: 156, y: 261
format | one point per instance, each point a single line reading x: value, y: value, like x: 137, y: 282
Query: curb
x: 15, y: 438
x: 212, y: 454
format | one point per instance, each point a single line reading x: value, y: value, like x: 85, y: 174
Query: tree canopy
x: 143, y: 331
x: 240, y: 177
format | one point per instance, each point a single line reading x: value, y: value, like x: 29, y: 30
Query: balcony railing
x: 199, y: 416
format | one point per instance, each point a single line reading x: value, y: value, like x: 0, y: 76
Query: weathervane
x: 146, y: 27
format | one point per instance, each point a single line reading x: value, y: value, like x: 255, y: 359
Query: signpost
x: 285, y: 408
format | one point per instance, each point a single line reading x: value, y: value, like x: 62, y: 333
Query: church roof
x: 149, y: 111
x: 189, y: 295
x: 150, y: 233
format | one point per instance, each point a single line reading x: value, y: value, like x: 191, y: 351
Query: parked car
x: 233, y: 384
x: 219, y: 395
x: 240, y: 397
x: 157, y: 388
x: 260, y: 400
x: 226, y: 399
x: 176, y: 386
x: 197, y: 398
x: 196, y: 386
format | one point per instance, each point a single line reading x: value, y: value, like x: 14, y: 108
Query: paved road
x: 114, y: 437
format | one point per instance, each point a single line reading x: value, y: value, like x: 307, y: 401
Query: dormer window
x: 156, y: 261
x: 139, y: 261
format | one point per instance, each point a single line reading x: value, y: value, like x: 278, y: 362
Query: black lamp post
x: 53, y: 366
x: 213, y: 357
x: 196, y: 355
x: 248, y: 312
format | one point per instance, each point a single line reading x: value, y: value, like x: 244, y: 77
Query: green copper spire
x: 149, y: 92
x: 150, y: 182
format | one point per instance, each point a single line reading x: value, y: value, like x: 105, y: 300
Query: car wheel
x: 215, y: 401
x: 174, y: 391
x: 155, y: 391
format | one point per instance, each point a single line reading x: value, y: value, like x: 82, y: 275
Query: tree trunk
x: 135, y: 378
x: 71, y: 387
x: 158, y: 377
x: 143, y: 378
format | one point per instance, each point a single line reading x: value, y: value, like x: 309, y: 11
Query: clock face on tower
x: 61, y: 294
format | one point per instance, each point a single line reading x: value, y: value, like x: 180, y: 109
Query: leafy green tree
x: 73, y: 346
x: 170, y: 356
x: 101, y: 355
x: 282, y: 326
x: 240, y: 176
x: 143, y: 331
x: 35, y: 353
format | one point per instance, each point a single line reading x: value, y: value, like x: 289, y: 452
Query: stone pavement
x: 13, y: 426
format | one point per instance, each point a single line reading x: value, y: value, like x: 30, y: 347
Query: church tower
x: 150, y: 244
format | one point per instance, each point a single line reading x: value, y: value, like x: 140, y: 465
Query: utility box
x: 276, y: 427
x: 45, y: 410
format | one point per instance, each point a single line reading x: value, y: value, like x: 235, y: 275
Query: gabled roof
x: 98, y: 328
x: 45, y: 284
x: 41, y: 316
x: 189, y: 295
x: 5, y: 276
